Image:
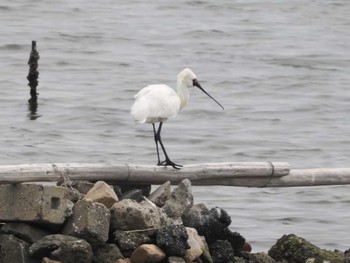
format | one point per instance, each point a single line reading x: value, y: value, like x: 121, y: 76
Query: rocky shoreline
x: 84, y: 222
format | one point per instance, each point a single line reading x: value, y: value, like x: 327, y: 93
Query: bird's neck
x: 183, y: 92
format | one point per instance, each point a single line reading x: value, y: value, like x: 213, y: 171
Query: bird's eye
x: 195, y: 82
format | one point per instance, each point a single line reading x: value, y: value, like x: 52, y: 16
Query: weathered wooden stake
x: 33, y: 81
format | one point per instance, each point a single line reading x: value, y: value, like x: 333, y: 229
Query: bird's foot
x: 169, y: 162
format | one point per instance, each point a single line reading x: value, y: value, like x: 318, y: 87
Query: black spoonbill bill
x: 159, y: 102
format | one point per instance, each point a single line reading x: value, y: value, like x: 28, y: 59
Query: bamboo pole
x: 139, y: 174
x: 297, y: 177
x: 254, y: 174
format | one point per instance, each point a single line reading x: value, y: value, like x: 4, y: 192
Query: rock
x: 347, y: 256
x: 260, y: 258
x: 180, y: 201
x: 222, y: 252
x: 246, y: 247
x: 134, y: 194
x: 63, y: 248
x: 47, y: 260
x: 102, y: 193
x: 82, y: 186
x: 35, y: 203
x: 107, y: 253
x: 129, y: 240
x: 161, y: 194
x: 130, y: 215
x: 147, y: 253
x: 197, y: 245
x: 125, y: 260
x: 13, y: 249
x: 176, y: 260
x: 213, y: 225
x: 26, y: 232
x: 292, y: 248
x: 146, y: 189
x: 90, y: 221
x: 173, y: 240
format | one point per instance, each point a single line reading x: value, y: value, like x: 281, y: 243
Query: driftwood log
x: 249, y: 174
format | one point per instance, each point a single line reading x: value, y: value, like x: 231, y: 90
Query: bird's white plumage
x: 155, y: 103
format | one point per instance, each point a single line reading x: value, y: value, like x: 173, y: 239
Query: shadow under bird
x: 157, y: 103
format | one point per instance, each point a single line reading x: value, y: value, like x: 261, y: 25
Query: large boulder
x: 130, y: 215
x: 213, y: 225
x: 180, y: 200
x: 294, y: 249
x: 90, y: 221
x: 66, y: 249
x: 173, y: 240
x: 102, y: 193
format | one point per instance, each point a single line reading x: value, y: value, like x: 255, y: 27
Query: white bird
x: 157, y: 103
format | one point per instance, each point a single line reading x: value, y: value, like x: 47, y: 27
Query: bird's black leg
x: 167, y: 159
x: 156, y: 139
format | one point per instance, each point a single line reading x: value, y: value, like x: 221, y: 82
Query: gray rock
x: 161, y: 194
x: 180, y: 201
x: 130, y: 215
x: 66, y: 249
x: 147, y: 253
x: 35, y: 203
x: 176, y: 260
x: 198, y: 246
x: 260, y: 258
x: 13, y: 249
x: 173, y: 240
x: 107, y: 253
x: 82, y: 186
x: 129, y: 240
x: 103, y: 193
x: 213, y: 225
x: 292, y: 248
x: 222, y: 252
x: 26, y: 232
x: 90, y: 221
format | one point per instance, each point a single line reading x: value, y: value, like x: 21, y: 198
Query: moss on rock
x: 294, y: 249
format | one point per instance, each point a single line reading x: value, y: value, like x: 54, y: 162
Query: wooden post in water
x: 33, y: 81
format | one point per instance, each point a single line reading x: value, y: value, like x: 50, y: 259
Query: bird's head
x: 188, y: 78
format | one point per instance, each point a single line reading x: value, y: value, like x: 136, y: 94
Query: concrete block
x: 35, y: 203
